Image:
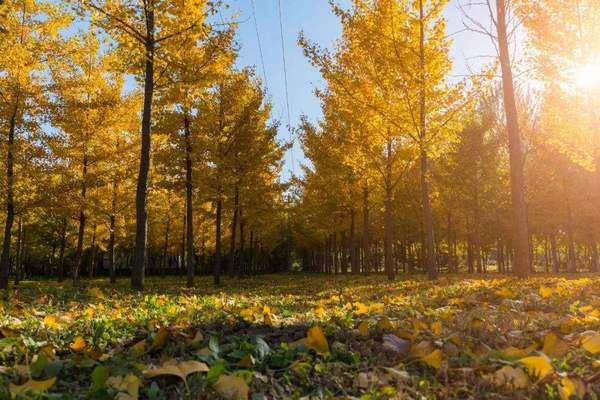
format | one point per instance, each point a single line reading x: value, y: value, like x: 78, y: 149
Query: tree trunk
x: 10, y: 201
x: 366, y: 239
x: 234, y: 221
x: 188, y: 203
x: 111, y: 238
x: 141, y: 229
x: 94, y: 252
x: 217, y: 268
x: 554, y: 254
x: 18, y: 257
x: 61, y: 251
x: 521, y: 262
x: 81, y: 231
x: 353, y: 253
x: 242, y: 259
x: 429, y: 245
x: 387, y: 245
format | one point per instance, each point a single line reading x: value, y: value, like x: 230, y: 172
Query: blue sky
x: 314, y: 17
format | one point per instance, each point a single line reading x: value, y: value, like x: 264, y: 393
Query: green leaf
x: 99, y: 376
x: 217, y: 369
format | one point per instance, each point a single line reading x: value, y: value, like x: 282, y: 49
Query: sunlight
x: 587, y: 76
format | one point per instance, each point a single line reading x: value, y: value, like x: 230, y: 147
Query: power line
x: 260, y: 51
x: 287, y: 96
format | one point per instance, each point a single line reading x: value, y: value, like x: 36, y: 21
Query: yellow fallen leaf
x: 95, y: 292
x: 32, y: 386
x: 247, y: 361
x: 433, y: 359
x: 363, y: 328
x: 591, y: 343
x: 50, y: 321
x: 436, y: 328
x: 78, y: 344
x: 248, y: 313
x: 554, y: 345
x: 505, y: 293
x: 316, y: 340
x: 537, y: 366
x: 360, y: 308
x: 319, y: 311
x: 510, y: 376
x: 267, y: 320
x: 159, y: 339
x: 376, y: 308
x: 198, y: 338
x: 517, y: 352
x: 180, y: 369
x: 571, y: 387
x: 384, y: 324
x: 128, y: 385
x: 546, y: 292
x: 138, y: 349
x: 422, y: 349
x: 231, y: 387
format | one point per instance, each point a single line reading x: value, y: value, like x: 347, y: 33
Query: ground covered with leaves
x: 302, y: 336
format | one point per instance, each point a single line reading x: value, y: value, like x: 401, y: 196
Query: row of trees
x: 84, y: 190
x: 411, y: 169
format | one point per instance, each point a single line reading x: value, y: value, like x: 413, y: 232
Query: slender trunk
x: 188, y: 203
x: 554, y: 254
x: 387, y: 245
x: 521, y: 262
x: 429, y: 245
x: 234, y: 221
x: 94, y: 250
x: 366, y: 239
x: 10, y: 205
x: 242, y: 259
x: 111, y: 238
x: 18, y: 257
x: 81, y: 231
x: 353, y: 253
x: 163, y: 269
x: 61, y: 252
x: 217, y: 268
x: 141, y: 229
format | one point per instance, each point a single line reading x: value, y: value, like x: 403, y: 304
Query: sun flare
x: 587, y: 76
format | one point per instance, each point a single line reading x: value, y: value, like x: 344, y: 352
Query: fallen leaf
x: 591, y: 343
x: 537, y: 366
x: 436, y: 328
x: 384, y: 324
x: 363, y: 328
x: 138, y: 349
x: 546, y: 292
x: 33, y: 386
x: 554, y: 345
x: 129, y: 385
x: 433, y: 359
x: 159, y: 339
x: 571, y: 387
x: 316, y: 340
x: 180, y: 369
x: 231, y: 387
x: 510, y: 376
x: 78, y: 344
x: 50, y: 321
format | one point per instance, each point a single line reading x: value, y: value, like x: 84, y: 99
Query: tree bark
x: 18, y: 257
x: 429, y: 245
x: 10, y: 201
x: 521, y: 262
x: 188, y: 203
x: 141, y: 230
x: 217, y: 268
x: 81, y: 231
x: 387, y: 245
x: 111, y: 238
x: 366, y: 239
x: 61, y: 251
x: 234, y: 222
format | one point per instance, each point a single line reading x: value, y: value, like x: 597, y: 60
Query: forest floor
x: 304, y: 336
